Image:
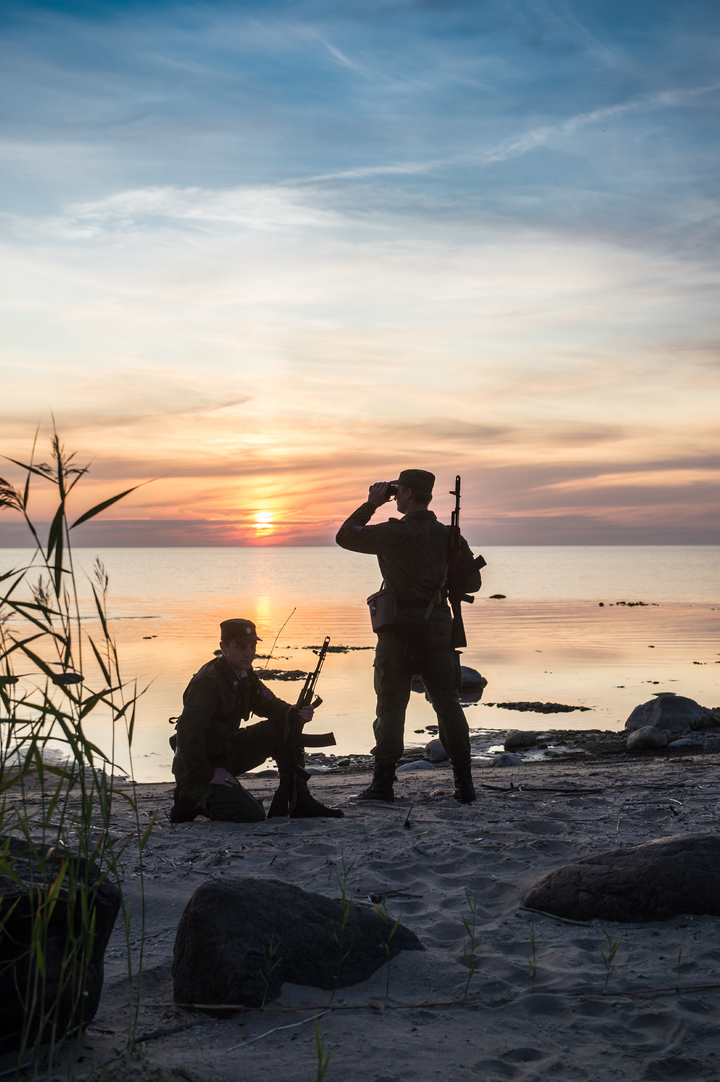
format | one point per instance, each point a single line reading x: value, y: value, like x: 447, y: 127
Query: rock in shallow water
x: 652, y: 881
x: 471, y: 678
x: 672, y: 714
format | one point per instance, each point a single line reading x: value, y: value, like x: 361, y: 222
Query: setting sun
x: 264, y: 523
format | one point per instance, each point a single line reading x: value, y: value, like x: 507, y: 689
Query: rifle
x: 458, y: 571
x: 283, y: 802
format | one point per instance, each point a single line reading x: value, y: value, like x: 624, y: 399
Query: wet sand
x: 653, y: 1017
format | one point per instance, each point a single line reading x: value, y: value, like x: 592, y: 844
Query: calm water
x: 549, y: 640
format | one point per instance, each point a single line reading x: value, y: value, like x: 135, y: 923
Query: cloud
x: 540, y: 136
x: 256, y: 208
x: 342, y: 59
x: 645, y: 479
x: 286, y: 249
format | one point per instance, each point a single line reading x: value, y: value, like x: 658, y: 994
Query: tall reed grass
x: 59, y: 861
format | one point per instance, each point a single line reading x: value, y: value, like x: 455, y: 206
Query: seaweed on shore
x: 338, y: 649
x: 283, y: 674
x: 540, y: 708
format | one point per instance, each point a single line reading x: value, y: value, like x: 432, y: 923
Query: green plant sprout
x: 323, y: 1057
x: 612, y: 949
x: 381, y: 908
x: 272, y: 961
x: 473, y: 941
x: 532, y: 960
x: 345, y: 902
x: 677, y: 966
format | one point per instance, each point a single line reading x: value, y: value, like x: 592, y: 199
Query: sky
x: 267, y: 253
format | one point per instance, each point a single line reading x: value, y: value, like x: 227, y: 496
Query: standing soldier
x: 413, y: 556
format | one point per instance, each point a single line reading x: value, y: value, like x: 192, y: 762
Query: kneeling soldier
x: 211, y: 748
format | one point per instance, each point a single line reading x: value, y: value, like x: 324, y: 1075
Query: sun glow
x: 264, y: 523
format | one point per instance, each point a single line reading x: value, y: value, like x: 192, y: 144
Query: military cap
x: 419, y: 480
x: 239, y: 631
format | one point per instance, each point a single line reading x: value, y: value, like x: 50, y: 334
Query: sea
x: 599, y: 627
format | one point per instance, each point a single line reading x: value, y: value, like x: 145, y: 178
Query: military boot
x: 307, y: 807
x: 464, y: 788
x: 184, y: 810
x: 381, y: 787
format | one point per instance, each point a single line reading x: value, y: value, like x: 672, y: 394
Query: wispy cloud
x: 524, y: 143
x: 342, y: 58
x: 541, y: 136
x: 266, y: 208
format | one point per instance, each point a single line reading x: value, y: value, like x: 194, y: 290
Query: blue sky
x: 272, y: 252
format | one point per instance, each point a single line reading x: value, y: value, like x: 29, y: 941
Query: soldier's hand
x: 223, y: 777
x: 306, y: 713
x: 379, y: 493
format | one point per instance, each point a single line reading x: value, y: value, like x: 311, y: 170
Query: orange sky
x: 454, y: 245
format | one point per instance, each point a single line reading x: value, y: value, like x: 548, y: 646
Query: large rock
x: 672, y: 714
x: 652, y: 881
x: 646, y: 738
x: 435, y: 751
x: 239, y: 940
x: 471, y: 678
x: 520, y: 740
x: 69, y: 994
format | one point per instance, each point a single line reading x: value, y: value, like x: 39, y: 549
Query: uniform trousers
x: 234, y: 804
x: 396, y: 661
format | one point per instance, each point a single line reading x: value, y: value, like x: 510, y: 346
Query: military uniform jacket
x: 215, y: 702
x: 412, y: 553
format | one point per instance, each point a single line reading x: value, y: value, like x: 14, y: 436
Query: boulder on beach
x: 435, y: 751
x: 69, y: 992
x: 520, y: 740
x: 239, y: 940
x: 652, y: 881
x: 506, y: 758
x: 672, y: 714
x: 646, y: 738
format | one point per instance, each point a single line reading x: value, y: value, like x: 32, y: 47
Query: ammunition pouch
x: 386, y: 616
x: 383, y: 609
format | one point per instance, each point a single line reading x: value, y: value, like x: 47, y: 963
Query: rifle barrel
x: 311, y: 680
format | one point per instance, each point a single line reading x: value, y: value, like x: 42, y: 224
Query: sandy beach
x: 654, y: 1016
